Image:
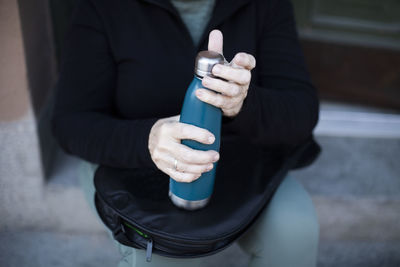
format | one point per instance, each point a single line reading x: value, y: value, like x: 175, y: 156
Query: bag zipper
x: 159, y: 242
x: 149, y: 249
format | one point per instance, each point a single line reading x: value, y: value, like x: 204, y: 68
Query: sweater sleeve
x: 84, y: 120
x: 281, y: 107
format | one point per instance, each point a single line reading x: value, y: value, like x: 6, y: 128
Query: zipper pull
x: 149, y: 249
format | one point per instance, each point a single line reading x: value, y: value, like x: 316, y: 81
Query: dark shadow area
x: 61, y: 11
x: 41, y: 70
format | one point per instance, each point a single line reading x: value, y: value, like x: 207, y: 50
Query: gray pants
x: 285, y: 235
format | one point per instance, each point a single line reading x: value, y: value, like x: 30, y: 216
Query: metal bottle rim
x: 188, y: 204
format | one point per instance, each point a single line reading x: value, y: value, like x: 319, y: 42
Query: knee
x: 287, y: 232
x: 291, y: 217
x: 283, y: 229
x: 292, y: 212
x: 292, y: 226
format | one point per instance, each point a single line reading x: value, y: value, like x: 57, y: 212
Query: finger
x: 226, y: 88
x: 245, y: 60
x: 167, y: 124
x: 215, y: 41
x: 181, y: 177
x: 187, y: 131
x: 174, y: 118
x: 171, y: 119
x: 193, y: 168
x: 169, y: 162
x: 189, y: 155
x: 231, y: 112
x: 240, y: 76
x: 182, y: 166
x: 217, y: 100
x: 234, y: 65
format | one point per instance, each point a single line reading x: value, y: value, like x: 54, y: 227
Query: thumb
x: 215, y: 41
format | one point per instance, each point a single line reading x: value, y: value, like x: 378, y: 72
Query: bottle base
x: 188, y: 204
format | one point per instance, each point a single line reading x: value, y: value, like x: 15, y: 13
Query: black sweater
x: 128, y: 63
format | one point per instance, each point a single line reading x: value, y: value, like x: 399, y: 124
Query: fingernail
x: 199, y: 92
x: 216, y: 157
x: 211, y: 139
x: 209, y: 167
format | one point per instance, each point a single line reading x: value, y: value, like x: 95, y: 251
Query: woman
x: 126, y: 68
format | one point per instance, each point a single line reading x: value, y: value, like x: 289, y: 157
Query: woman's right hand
x: 165, y: 147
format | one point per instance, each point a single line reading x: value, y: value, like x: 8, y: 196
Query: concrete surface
x: 359, y: 254
x: 42, y: 249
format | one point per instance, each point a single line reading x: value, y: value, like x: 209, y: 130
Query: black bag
x: 134, y: 203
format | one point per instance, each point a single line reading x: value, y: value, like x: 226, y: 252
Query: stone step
x: 341, y: 120
x: 359, y: 254
x: 54, y: 249
x: 350, y: 166
x: 355, y: 185
x: 358, y: 219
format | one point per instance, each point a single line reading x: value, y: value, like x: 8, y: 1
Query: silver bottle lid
x: 205, y: 61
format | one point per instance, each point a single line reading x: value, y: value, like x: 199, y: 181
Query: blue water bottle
x: 197, y: 194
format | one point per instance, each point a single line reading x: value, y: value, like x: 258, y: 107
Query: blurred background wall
x: 352, y: 49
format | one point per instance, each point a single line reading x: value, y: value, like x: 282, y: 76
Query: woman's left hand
x: 237, y: 74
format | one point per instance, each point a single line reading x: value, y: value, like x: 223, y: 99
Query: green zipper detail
x: 136, y: 230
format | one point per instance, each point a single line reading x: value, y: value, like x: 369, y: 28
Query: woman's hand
x: 165, y: 149
x: 237, y: 75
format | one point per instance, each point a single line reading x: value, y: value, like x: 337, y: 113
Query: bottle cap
x: 205, y: 61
